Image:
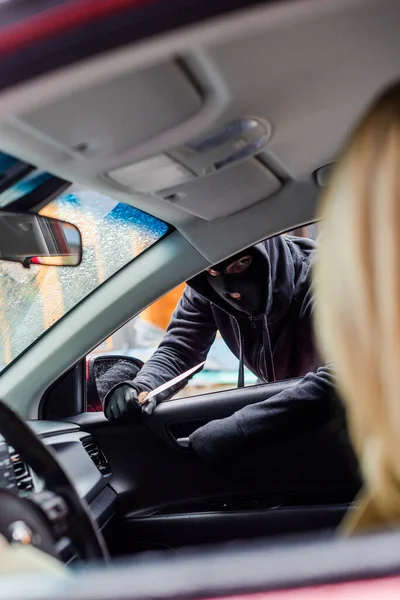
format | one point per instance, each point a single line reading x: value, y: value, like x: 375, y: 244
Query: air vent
x: 96, y: 455
x: 23, y: 477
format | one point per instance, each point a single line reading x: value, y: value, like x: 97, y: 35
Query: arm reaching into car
x: 306, y: 405
x: 187, y: 341
x: 260, y: 301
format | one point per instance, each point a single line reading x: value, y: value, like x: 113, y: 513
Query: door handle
x: 183, y: 442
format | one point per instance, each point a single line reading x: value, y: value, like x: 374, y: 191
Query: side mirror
x: 103, y: 372
x: 32, y: 239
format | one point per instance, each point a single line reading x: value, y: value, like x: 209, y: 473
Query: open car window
x: 113, y: 234
x: 140, y: 338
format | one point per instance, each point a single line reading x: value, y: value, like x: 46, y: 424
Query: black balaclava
x: 252, y: 284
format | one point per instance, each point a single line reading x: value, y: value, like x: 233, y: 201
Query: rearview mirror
x: 32, y: 239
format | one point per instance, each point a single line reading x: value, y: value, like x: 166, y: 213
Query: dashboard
x: 81, y: 458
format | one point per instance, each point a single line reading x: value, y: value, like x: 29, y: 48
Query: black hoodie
x: 278, y: 345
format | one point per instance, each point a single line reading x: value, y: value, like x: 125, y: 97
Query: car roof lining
x: 298, y: 113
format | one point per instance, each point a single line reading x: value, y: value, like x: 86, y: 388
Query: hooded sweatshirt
x: 277, y: 344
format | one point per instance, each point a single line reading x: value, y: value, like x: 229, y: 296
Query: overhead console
x: 197, y: 173
x: 162, y: 131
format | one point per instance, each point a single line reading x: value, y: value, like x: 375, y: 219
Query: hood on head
x: 281, y: 265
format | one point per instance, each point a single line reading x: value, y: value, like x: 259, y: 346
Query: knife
x: 150, y: 402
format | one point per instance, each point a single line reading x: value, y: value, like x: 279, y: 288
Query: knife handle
x: 148, y: 408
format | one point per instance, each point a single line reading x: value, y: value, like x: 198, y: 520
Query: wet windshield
x: 34, y: 299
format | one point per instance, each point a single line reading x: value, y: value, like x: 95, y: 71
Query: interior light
x: 152, y: 174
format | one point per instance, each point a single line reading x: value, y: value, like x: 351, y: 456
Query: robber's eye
x: 240, y: 265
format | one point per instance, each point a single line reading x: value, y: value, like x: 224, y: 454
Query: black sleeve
x: 187, y: 341
x: 302, y: 406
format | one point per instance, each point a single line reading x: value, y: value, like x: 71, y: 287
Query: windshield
x: 34, y: 299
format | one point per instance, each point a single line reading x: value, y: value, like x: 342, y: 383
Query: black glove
x: 124, y: 403
x: 120, y: 371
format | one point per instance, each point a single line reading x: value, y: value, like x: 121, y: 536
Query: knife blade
x: 150, y: 403
x: 172, y: 382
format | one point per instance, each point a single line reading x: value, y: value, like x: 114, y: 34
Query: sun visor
x: 225, y: 192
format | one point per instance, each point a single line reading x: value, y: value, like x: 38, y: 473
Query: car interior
x: 224, y: 128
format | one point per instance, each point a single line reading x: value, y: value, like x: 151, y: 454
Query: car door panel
x: 167, y: 496
x: 177, y: 419
x: 186, y: 529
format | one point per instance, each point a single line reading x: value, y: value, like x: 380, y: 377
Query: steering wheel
x: 45, y: 517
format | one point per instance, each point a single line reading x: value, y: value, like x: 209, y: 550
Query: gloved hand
x: 124, y: 402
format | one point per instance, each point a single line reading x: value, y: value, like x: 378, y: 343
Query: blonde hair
x: 357, y: 291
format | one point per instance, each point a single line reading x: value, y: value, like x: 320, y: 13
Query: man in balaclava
x: 237, y: 281
x: 260, y: 302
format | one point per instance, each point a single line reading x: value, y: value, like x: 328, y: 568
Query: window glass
x: 34, y: 299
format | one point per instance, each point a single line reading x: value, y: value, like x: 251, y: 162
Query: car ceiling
x: 308, y: 68
x: 313, y: 78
